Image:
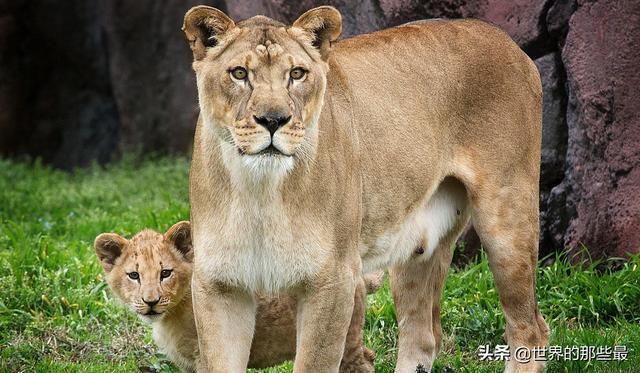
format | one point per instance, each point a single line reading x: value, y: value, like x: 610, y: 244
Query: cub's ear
x: 324, y: 24
x: 109, y: 247
x: 180, y: 236
x: 203, y: 26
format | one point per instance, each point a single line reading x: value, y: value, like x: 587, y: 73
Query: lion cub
x: 151, y: 273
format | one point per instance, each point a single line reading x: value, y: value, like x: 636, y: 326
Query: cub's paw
x: 360, y: 363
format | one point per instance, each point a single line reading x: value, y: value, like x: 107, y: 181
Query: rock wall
x: 56, y: 98
x: 602, y: 178
x: 82, y: 80
x: 86, y: 80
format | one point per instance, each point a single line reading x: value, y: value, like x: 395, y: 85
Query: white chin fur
x: 151, y: 318
x: 260, y: 170
x: 266, y: 165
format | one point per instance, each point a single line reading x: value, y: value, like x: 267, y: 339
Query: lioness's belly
x: 419, y: 233
x: 267, y: 251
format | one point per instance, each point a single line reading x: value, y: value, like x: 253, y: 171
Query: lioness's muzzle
x: 272, y: 121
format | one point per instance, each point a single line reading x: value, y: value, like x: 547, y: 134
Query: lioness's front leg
x: 357, y: 358
x: 225, y: 318
x: 324, y: 314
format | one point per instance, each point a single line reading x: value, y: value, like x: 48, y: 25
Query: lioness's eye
x: 165, y: 273
x: 133, y: 275
x: 239, y: 73
x: 297, y: 73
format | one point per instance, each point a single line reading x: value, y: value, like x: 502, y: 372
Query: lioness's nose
x: 272, y: 121
x: 151, y: 303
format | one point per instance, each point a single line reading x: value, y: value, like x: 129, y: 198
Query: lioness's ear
x: 324, y: 24
x: 109, y: 247
x: 203, y: 27
x: 180, y: 236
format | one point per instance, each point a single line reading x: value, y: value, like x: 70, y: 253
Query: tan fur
x: 148, y: 253
x: 395, y: 140
x: 174, y: 329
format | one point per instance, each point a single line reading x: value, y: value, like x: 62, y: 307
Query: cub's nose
x: 151, y: 303
x: 272, y: 121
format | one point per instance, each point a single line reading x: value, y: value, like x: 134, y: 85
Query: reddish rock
x: 400, y: 11
x: 523, y: 20
x: 357, y: 16
x: 601, y: 57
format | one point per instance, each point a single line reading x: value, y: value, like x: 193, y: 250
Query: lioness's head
x: 151, y: 272
x: 261, y: 83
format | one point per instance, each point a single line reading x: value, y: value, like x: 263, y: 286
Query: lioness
x: 315, y: 159
x: 151, y: 273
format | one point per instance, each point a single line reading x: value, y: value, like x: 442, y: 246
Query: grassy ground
x: 56, y: 315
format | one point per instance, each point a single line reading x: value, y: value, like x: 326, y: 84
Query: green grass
x: 56, y: 314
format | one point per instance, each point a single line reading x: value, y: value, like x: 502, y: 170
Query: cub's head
x: 151, y: 272
x: 261, y: 83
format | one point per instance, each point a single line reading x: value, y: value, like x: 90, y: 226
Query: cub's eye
x: 297, y: 73
x: 239, y: 73
x: 165, y: 273
x: 133, y: 275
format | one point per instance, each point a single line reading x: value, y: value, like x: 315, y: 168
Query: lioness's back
x: 465, y: 75
x: 450, y: 56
